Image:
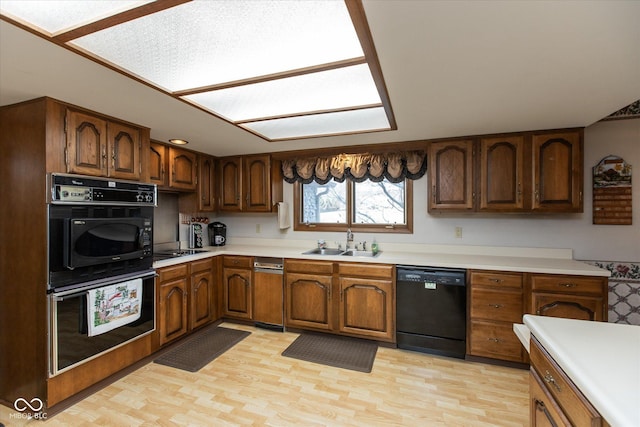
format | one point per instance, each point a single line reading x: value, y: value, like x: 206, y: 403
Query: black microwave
x: 97, y: 241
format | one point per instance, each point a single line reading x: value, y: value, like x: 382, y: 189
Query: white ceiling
x: 452, y: 68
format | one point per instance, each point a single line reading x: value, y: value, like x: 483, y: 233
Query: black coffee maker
x: 217, y: 234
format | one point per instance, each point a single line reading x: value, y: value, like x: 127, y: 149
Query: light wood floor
x: 252, y: 384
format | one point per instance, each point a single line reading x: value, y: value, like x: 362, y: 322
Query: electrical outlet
x: 257, y: 228
x: 458, y: 232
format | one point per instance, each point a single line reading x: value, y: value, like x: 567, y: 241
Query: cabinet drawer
x: 238, y: 261
x: 366, y: 270
x: 567, y: 284
x: 201, y: 265
x: 576, y: 407
x: 496, y: 305
x: 310, y: 267
x: 173, y: 272
x: 496, y: 278
x: 494, y: 339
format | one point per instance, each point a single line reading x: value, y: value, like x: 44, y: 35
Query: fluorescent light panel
x: 339, y: 88
x: 204, y: 43
x: 355, y: 121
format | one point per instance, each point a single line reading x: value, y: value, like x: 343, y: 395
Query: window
x: 368, y: 206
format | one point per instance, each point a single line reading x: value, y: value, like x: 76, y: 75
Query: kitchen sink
x: 354, y: 252
x: 324, y: 251
x: 348, y: 252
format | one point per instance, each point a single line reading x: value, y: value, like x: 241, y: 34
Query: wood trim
x: 275, y: 76
x: 361, y: 25
x: 120, y: 18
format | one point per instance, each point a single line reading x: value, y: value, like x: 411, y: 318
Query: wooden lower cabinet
x: 354, y: 299
x: 308, y: 294
x: 554, y: 398
x: 186, y: 296
x: 237, y: 289
x: 498, y: 299
x: 572, y: 297
x: 496, y: 302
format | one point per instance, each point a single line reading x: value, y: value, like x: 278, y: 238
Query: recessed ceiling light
x: 178, y: 141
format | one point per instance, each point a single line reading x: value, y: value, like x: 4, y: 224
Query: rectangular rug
x: 201, y: 349
x: 332, y: 350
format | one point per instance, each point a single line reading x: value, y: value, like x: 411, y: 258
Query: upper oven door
x: 94, y: 241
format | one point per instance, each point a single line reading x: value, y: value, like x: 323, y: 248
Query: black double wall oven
x: 101, y: 280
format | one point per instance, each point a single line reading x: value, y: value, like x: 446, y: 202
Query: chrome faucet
x: 349, y: 238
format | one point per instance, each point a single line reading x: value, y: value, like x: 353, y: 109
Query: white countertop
x: 478, y: 257
x: 602, y: 359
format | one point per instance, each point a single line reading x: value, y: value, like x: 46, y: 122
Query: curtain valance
x: 394, y: 166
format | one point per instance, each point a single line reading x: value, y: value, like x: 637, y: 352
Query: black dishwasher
x: 431, y: 307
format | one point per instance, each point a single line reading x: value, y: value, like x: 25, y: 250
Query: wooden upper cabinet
x: 230, y: 184
x: 256, y: 183
x: 501, y: 173
x: 158, y: 164
x: 249, y: 183
x: 206, y: 184
x: 99, y: 147
x: 86, y: 144
x: 183, y: 166
x: 451, y: 175
x: 557, y: 172
x: 124, y: 144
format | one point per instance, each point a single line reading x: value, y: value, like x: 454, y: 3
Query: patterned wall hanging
x: 612, y: 192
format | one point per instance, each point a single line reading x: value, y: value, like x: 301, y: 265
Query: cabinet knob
x: 495, y: 340
x: 495, y: 280
x: 495, y: 305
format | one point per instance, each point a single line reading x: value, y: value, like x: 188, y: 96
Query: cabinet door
x: 237, y: 293
x: 173, y: 309
x: 256, y: 183
x: 268, y: 301
x: 206, y: 184
x: 86, y: 144
x: 308, y: 301
x: 158, y: 164
x: 201, y: 307
x: 230, y: 184
x: 501, y: 173
x: 184, y: 167
x: 557, y: 172
x: 544, y: 410
x: 366, y: 307
x: 451, y: 175
x: 568, y: 306
x: 124, y: 151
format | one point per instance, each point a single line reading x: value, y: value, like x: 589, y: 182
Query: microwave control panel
x: 75, y: 189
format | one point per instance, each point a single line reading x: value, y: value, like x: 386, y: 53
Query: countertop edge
x: 608, y: 387
x: 471, y: 261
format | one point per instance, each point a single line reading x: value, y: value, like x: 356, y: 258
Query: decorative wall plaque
x: 612, y: 192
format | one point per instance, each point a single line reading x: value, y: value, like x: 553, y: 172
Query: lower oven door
x: 90, y: 320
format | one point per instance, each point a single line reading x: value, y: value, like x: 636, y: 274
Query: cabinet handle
x: 519, y: 192
x: 537, y: 193
x: 567, y: 285
x: 104, y: 157
x: 113, y: 158
x: 548, y: 378
x: 434, y: 194
x: 495, y: 340
x: 495, y: 305
x: 495, y: 280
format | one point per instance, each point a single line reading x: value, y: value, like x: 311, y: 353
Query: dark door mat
x: 196, y: 352
x: 340, y: 352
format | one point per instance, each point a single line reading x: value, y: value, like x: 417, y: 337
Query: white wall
x: 575, y: 231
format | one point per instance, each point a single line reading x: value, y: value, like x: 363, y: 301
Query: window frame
x: 407, y: 228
